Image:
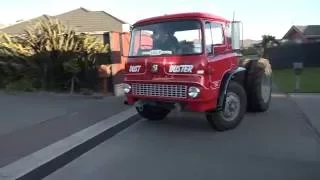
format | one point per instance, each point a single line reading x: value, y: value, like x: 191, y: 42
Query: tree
x: 14, y: 65
x: 10, y: 46
x: 51, y: 39
x: 267, y: 42
x: 72, y: 66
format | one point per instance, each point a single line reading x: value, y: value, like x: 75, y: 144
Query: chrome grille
x: 161, y: 90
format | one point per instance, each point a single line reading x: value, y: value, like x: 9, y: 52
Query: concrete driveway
x: 279, y: 144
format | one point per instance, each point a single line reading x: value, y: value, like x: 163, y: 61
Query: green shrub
x: 249, y: 51
x: 20, y: 85
x: 51, y: 54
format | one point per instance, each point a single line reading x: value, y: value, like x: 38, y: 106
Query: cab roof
x: 188, y: 15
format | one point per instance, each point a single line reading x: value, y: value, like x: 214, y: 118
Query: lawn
x: 310, y: 80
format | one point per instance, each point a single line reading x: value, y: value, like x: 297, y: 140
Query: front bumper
x: 174, y: 93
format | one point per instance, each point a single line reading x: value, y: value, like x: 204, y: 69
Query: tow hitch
x: 139, y: 106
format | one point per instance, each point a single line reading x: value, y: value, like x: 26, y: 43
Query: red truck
x: 191, y: 61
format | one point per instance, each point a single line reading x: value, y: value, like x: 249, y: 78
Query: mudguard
x: 224, y: 85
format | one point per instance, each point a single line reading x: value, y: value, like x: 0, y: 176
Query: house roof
x: 81, y: 19
x: 20, y: 27
x: 307, y: 31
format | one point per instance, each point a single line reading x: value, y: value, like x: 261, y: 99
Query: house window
x: 106, y: 38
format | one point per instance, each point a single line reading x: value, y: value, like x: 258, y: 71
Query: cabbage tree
x: 267, y: 42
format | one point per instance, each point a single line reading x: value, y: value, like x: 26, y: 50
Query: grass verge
x: 310, y: 80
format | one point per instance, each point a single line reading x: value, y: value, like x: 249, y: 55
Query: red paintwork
x: 215, y: 68
x: 193, y: 15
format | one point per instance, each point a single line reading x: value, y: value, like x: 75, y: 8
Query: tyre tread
x: 216, y: 120
x: 253, y: 88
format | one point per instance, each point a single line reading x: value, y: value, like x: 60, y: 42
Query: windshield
x: 167, y: 38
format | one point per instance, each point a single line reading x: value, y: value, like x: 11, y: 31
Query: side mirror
x: 235, y: 34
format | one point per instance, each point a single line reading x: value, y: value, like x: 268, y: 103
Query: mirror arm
x: 212, y: 50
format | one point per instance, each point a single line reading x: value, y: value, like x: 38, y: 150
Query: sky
x: 273, y: 17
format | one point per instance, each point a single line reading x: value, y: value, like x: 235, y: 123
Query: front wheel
x: 233, y: 111
x: 153, y: 113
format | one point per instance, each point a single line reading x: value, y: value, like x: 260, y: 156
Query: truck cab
x: 185, y: 61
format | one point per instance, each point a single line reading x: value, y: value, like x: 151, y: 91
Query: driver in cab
x: 164, y: 40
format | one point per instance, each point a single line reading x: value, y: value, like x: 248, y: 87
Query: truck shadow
x: 191, y: 121
x: 182, y: 121
x: 276, y: 98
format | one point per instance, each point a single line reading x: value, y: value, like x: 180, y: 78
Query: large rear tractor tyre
x: 259, y: 85
x: 153, y: 113
x: 234, y: 109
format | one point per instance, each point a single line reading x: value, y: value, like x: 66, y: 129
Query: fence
x: 283, y: 56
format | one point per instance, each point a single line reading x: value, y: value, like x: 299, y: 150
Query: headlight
x: 126, y: 88
x: 193, y: 92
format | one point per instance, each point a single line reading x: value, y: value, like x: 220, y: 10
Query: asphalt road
x: 27, y: 109
x: 277, y: 144
x: 310, y: 104
x: 38, y: 121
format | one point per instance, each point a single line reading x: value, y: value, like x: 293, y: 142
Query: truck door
x: 219, y: 58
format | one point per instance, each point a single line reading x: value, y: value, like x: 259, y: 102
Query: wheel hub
x: 232, y: 106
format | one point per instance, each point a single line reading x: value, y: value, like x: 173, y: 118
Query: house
x: 103, y: 25
x: 303, y: 34
x: 299, y: 44
x: 98, y: 23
